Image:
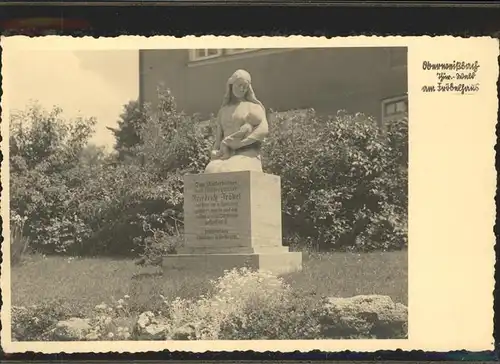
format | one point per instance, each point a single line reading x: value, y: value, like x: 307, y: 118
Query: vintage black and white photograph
x: 185, y: 194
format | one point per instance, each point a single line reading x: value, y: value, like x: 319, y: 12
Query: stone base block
x: 276, y: 263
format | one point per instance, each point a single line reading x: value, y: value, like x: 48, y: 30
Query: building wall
x: 327, y: 79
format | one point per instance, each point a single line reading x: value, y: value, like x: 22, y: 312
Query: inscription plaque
x: 217, y: 211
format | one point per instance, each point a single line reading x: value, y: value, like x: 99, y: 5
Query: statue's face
x: 240, y: 88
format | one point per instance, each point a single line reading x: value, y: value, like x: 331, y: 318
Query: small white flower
x: 126, y: 296
x: 111, y: 335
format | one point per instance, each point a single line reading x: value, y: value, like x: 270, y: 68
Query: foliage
x: 147, y: 211
x: 171, y: 141
x: 79, y: 200
x: 44, y: 140
x: 243, y: 304
x: 111, y: 322
x: 19, y: 243
x: 262, y: 306
x: 344, y: 182
x: 43, y: 148
x: 127, y: 134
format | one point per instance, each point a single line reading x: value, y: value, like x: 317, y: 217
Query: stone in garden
x: 72, y: 329
x: 150, y: 327
x: 186, y: 332
x: 232, y: 212
x: 364, y: 316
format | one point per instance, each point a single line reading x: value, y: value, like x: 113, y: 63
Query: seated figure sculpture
x: 240, y: 128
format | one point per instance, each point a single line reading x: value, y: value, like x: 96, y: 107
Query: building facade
x: 372, y: 80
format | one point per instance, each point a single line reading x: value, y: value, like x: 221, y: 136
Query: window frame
x: 231, y: 51
x: 193, y: 57
x: 395, y: 99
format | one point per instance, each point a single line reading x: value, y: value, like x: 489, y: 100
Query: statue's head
x: 239, y: 83
x: 239, y: 88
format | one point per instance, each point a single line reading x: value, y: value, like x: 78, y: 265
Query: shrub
x: 127, y: 134
x: 344, y: 182
x: 244, y: 304
x: 80, y: 201
x: 43, y: 148
x: 146, y: 214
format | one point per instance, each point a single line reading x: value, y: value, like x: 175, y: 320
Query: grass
x: 83, y: 283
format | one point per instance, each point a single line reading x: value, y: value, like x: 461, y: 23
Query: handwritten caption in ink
x: 453, y: 77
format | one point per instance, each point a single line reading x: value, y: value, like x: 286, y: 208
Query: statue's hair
x: 229, y: 98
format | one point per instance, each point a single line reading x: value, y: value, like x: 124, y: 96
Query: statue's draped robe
x: 246, y: 150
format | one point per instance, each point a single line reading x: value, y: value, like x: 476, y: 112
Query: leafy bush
x: 145, y: 208
x: 344, y: 181
x: 80, y: 201
x: 127, y: 134
x: 43, y: 148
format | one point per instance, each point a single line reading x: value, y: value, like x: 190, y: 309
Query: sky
x: 83, y: 83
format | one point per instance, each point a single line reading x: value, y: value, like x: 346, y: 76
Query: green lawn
x: 86, y: 282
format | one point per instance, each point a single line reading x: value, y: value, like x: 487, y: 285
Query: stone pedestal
x: 233, y: 220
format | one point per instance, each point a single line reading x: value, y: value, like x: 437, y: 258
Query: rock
x: 186, y: 332
x: 144, y: 319
x: 72, y: 329
x: 365, y: 316
x: 150, y: 327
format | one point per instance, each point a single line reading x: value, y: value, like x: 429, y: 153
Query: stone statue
x: 241, y: 127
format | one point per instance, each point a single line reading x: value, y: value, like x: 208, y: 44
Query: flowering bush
x: 111, y: 322
x: 243, y: 304
x: 344, y: 181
